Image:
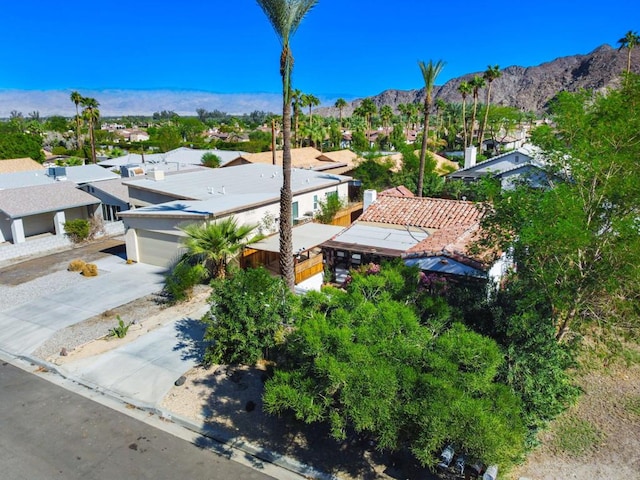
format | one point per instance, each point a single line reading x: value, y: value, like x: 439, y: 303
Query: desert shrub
x: 211, y: 160
x: 90, y: 270
x: 76, y: 265
x: 77, y: 230
x: 180, y: 282
x: 329, y: 208
x: 120, y: 331
x: 96, y: 227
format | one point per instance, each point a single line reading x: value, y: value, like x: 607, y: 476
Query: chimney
x: 157, y: 175
x: 470, y: 154
x: 369, y: 198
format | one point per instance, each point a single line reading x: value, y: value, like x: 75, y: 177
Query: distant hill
x: 527, y: 88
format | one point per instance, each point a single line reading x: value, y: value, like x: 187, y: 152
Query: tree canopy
x: 578, y: 243
x: 364, y: 361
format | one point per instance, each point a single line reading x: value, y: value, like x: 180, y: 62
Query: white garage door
x: 158, y: 248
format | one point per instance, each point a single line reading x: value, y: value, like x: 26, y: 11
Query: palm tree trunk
x: 464, y: 121
x: 472, y: 127
x: 423, y: 150
x: 486, y: 117
x: 93, y: 142
x: 78, y: 128
x: 286, y: 196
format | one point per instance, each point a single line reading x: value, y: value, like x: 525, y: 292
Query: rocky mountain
x: 527, y: 88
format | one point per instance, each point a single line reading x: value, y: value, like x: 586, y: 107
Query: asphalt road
x: 48, y: 432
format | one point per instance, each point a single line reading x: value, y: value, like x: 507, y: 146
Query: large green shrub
x: 249, y: 311
x: 77, y: 230
x: 180, y: 282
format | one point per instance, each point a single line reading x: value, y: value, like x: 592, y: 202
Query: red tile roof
x: 400, y: 191
x: 425, y: 212
x: 454, y: 225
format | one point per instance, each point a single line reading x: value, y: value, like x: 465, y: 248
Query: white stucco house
x: 251, y: 193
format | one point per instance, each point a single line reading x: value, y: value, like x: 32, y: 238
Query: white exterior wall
x: 170, y: 225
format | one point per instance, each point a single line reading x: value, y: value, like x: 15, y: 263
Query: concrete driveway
x: 25, y: 327
x: 145, y: 369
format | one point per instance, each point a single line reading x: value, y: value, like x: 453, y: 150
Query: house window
x: 315, y: 203
x: 294, y: 210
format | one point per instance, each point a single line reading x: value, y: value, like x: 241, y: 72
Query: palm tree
x: 310, y: 100
x: 465, y: 89
x: 91, y: 114
x: 77, y: 99
x: 430, y: 72
x: 476, y: 84
x: 340, y: 104
x: 285, y: 17
x: 296, y: 104
x: 386, y: 115
x: 214, y: 245
x: 368, y: 109
x: 630, y: 40
x: 490, y: 74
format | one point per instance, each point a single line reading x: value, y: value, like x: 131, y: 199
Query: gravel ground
x: 12, y: 296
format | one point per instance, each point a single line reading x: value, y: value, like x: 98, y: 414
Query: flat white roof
x: 251, y: 179
x: 387, y: 237
x: 305, y: 237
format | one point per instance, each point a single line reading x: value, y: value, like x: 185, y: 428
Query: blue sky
x: 343, y: 48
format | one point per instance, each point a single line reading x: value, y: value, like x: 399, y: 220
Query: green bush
x: 250, y: 314
x: 329, y: 209
x: 180, y: 282
x: 77, y: 230
x: 121, y: 330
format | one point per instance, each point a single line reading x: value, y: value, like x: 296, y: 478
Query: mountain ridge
x: 526, y: 88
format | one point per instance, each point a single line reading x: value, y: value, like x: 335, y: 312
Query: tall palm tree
x: 386, y: 115
x: 340, y: 104
x: 490, y: 74
x: 630, y: 40
x: 214, y: 245
x: 285, y: 17
x: 77, y: 99
x: 476, y: 84
x: 465, y: 89
x: 296, y: 104
x: 310, y: 100
x: 368, y: 109
x: 91, y: 114
x: 430, y: 72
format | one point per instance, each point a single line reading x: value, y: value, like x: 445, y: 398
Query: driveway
x: 24, y: 327
x: 145, y: 369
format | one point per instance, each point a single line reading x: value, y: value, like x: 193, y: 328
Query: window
x: 315, y: 203
x: 294, y: 210
x: 331, y: 194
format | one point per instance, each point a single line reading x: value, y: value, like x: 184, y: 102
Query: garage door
x: 158, y: 248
